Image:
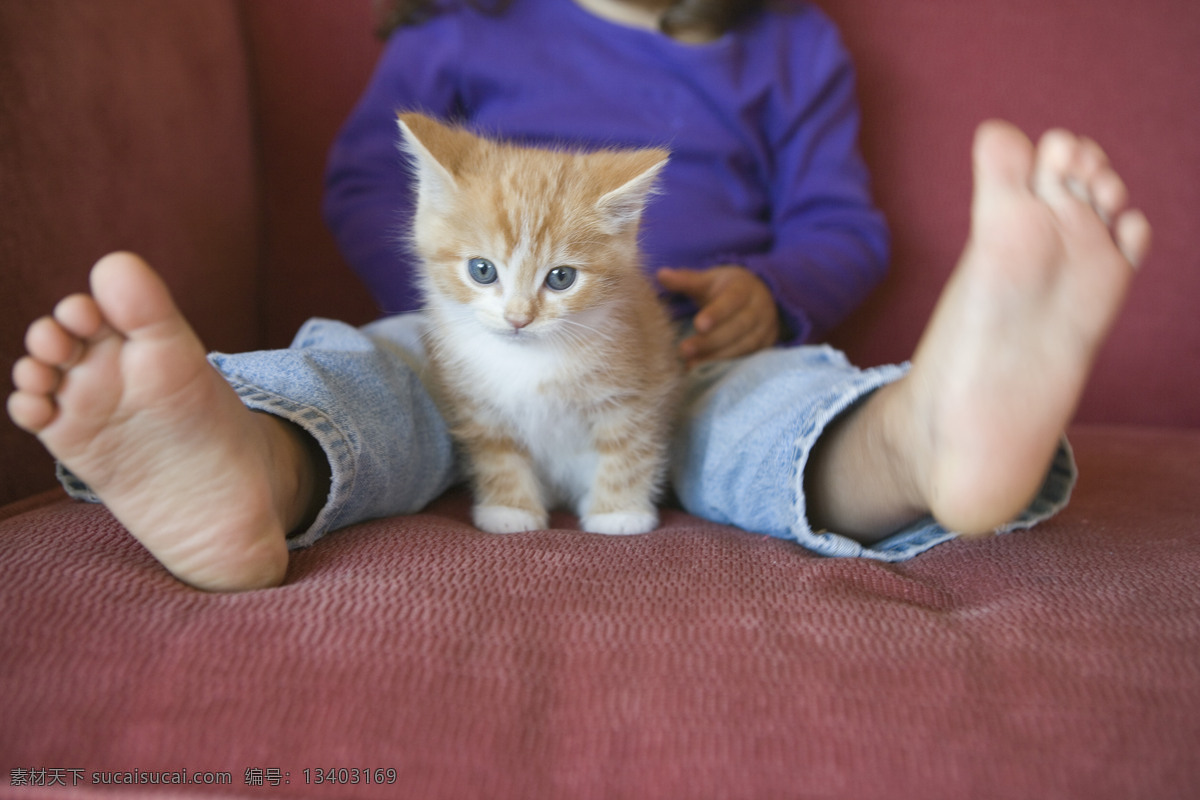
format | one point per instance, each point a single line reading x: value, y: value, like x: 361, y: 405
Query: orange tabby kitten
x: 554, y: 358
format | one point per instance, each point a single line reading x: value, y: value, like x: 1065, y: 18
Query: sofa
x: 418, y: 657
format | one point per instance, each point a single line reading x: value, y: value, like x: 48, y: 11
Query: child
x: 764, y: 202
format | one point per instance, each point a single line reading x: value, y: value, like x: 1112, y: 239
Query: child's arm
x: 831, y: 243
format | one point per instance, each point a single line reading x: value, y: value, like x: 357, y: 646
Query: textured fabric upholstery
x: 1120, y: 71
x: 123, y: 125
x: 696, y: 661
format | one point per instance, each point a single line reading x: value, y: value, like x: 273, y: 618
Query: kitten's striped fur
x: 558, y: 396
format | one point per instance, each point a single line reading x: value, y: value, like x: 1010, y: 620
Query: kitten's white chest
x: 533, y: 390
x: 515, y: 375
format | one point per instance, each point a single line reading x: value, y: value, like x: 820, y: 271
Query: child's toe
x: 1133, y: 235
x: 34, y: 377
x: 79, y: 315
x: 49, y: 342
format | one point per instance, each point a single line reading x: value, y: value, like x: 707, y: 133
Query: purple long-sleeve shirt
x: 762, y: 125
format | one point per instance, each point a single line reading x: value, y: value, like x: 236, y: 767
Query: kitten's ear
x: 638, y: 173
x: 436, y: 151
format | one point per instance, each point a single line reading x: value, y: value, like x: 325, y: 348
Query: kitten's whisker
x: 573, y: 330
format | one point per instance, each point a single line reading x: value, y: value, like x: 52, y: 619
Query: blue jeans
x: 747, y: 429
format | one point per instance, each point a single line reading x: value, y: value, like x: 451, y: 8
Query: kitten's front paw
x: 503, y: 519
x: 621, y: 523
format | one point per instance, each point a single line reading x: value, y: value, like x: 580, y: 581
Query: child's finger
x: 693, y: 283
x: 729, y: 334
x: 724, y: 306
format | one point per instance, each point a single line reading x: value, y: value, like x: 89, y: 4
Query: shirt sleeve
x: 831, y: 244
x: 368, y: 199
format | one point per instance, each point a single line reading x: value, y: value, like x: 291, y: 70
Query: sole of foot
x: 1002, y: 365
x: 118, y: 388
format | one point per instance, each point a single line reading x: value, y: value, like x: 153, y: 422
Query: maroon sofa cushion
x: 696, y: 661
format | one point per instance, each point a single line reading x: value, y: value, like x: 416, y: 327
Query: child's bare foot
x: 970, y: 432
x: 117, y: 387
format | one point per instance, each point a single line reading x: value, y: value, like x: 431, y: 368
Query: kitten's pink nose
x: 518, y: 321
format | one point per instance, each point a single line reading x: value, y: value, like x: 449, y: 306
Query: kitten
x: 553, y: 357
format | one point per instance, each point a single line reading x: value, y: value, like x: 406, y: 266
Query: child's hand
x: 737, y: 313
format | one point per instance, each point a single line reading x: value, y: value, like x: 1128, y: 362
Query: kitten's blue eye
x: 482, y: 271
x: 561, y: 278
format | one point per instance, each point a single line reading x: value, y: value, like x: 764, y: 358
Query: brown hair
x: 713, y: 17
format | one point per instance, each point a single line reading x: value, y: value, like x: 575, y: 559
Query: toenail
x: 1076, y: 188
x: 1084, y: 196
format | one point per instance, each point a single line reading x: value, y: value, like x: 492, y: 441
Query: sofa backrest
x: 124, y: 124
x: 311, y: 59
x: 1126, y: 73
